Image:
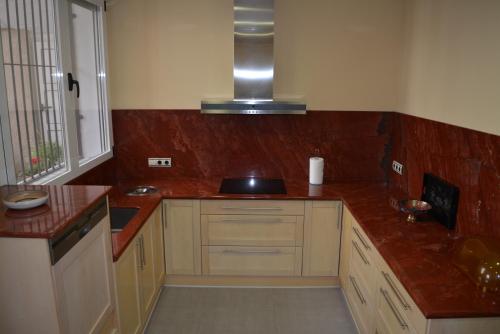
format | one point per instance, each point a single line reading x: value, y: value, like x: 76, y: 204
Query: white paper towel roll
x: 316, y: 170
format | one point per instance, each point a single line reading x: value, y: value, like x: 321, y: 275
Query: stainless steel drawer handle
x: 143, y: 251
x: 360, y: 252
x: 356, y: 288
x: 394, y: 309
x: 251, y: 208
x: 249, y: 221
x: 396, y: 291
x: 251, y: 251
x: 365, y: 244
x: 139, y: 254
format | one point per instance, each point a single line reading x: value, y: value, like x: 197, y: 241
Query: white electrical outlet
x: 160, y: 162
x: 394, y: 203
x: 397, y: 167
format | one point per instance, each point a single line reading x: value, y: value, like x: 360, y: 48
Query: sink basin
x: 120, y: 217
x: 141, y: 191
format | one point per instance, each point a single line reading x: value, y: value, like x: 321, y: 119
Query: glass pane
x: 86, y: 59
x: 34, y: 89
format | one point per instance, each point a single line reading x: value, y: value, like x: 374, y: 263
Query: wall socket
x: 160, y: 162
x: 397, y: 167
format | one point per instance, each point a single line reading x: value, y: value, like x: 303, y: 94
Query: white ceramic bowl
x: 26, y: 199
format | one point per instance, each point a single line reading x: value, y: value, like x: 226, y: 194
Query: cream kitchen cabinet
x: 128, y: 289
x: 252, y: 261
x: 138, y: 276
x: 322, y: 228
x: 182, y: 237
x: 44, y: 290
x: 361, y: 276
x: 147, y: 273
x: 378, y: 301
x: 252, y: 237
x: 159, y: 247
x: 252, y: 230
x: 345, y: 246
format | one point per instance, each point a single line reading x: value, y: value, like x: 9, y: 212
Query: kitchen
x: 156, y: 98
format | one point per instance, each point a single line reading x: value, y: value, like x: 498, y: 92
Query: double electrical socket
x: 160, y: 162
x: 397, y: 167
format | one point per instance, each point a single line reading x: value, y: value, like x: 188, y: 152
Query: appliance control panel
x: 160, y: 162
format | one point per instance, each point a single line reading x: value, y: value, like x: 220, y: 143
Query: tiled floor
x: 242, y: 310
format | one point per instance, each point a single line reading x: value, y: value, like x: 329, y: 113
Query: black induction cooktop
x: 252, y: 185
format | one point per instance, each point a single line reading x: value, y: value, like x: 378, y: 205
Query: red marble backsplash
x: 354, y: 144
x: 466, y: 158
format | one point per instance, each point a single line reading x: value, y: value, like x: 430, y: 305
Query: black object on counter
x: 443, y: 196
x: 252, y: 185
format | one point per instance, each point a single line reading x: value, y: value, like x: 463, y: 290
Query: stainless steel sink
x: 141, y: 191
x: 120, y: 217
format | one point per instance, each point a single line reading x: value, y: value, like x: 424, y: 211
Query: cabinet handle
x: 139, y: 253
x: 164, y: 212
x: 360, y: 252
x: 251, y: 208
x: 358, y: 291
x: 250, y: 251
x: 396, y: 291
x: 239, y: 220
x: 365, y: 244
x: 340, y: 215
x: 143, y: 253
x: 398, y: 316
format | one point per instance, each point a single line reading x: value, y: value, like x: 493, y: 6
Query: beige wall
x: 336, y: 54
x: 453, y: 63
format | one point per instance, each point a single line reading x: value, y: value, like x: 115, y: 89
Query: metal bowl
x: 141, y: 191
x: 26, y: 199
x: 414, y: 207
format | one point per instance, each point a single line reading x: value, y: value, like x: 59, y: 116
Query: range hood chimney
x: 253, y: 69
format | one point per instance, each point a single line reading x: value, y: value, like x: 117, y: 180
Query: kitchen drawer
x: 252, y: 230
x: 390, y: 317
x: 252, y: 261
x: 363, y: 241
x: 401, y: 298
x: 362, y: 305
x: 252, y: 207
x: 362, y: 263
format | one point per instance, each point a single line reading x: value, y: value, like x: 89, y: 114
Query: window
x: 53, y: 112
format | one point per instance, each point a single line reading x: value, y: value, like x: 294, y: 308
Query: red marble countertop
x: 64, y: 205
x: 420, y: 254
x: 146, y: 206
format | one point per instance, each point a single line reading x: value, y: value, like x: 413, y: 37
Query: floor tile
x: 251, y: 310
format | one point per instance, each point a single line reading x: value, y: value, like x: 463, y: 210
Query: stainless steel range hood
x: 253, y: 69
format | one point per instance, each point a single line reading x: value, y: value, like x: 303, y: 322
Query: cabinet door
x: 148, y: 282
x: 182, y: 237
x: 128, y: 289
x: 345, y: 247
x: 159, y: 252
x: 84, y: 282
x: 321, y: 238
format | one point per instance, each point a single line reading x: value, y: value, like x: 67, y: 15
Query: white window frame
x: 73, y: 167
x: 7, y: 176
